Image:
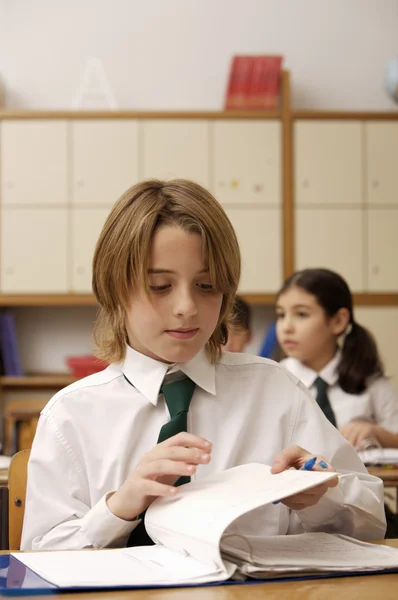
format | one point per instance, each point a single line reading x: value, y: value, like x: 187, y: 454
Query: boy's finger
x: 293, y: 456
x: 189, y: 440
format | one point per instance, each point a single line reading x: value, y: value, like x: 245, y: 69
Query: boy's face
x: 237, y: 340
x: 183, y: 308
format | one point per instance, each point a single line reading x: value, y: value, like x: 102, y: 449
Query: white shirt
x: 378, y: 403
x: 92, y: 434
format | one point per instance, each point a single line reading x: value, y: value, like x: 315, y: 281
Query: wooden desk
x: 388, y: 476
x: 343, y: 588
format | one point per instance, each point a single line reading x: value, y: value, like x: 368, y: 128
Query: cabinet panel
x: 382, y: 162
x: 34, y: 250
x: 104, y: 160
x: 327, y: 159
x: 259, y: 235
x: 383, y: 324
x: 247, y: 162
x: 34, y: 162
x: 176, y: 148
x: 332, y: 239
x: 86, y: 227
x: 382, y: 250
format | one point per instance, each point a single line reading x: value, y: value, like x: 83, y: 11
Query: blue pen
x: 307, y: 466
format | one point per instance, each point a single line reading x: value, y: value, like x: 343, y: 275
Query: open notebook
x: 192, y: 544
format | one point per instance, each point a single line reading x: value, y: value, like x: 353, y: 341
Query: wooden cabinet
x: 332, y: 238
x: 247, y: 162
x: 176, y: 148
x: 327, y: 159
x: 382, y: 234
x: 86, y: 227
x: 33, y: 253
x: 104, y: 159
x: 34, y: 162
x: 382, y: 322
x: 259, y: 235
x: 382, y: 163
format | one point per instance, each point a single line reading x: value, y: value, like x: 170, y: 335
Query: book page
x: 308, y: 551
x: 138, y: 566
x: 193, y: 521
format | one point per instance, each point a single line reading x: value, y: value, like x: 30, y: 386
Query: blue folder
x: 18, y: 580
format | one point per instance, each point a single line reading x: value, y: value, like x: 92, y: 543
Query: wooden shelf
x: 345, y: 115
x: 390, y: 299
x: 47, y: 300
x: 376, y: 299
x: 41, y: 380
x: 128, y: 114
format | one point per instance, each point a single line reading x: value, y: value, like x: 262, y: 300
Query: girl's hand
x: 357, y: 431
x: 296, y: 457
x: 156, y: 473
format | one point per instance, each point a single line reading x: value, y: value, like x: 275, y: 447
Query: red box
x: 81, y: 366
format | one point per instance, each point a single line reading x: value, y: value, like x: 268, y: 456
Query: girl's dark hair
x: 360, y: 359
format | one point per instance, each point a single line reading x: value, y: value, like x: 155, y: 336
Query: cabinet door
x: 247, y: 162
x: 259, y: 235
x: 176, y: 148
x: 327, y: 159
x: 382, y: 322
x: 382, y: 250
x: 34, y: 250
x: 382, y: 162
x: 104, y: 160
x: 332, y: 239
x: 34, y: 162
x: 86, y: 227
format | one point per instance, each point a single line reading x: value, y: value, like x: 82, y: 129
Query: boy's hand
x: 156, y: 473
x: 296, y: 457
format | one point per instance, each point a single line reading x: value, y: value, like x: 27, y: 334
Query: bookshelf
x: 286, y: 118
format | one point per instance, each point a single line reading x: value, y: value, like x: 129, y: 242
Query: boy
x: 165, y: 273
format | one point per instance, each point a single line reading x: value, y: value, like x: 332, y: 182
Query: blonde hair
x: 121, y: 254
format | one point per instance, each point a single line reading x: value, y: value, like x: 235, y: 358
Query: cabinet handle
x: 258, y: 187
x: 375, y: 270
x: 306, y: 183
x: 375, y: 184
x: 80, y: 183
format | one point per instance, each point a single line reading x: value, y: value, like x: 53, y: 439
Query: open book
x: 193, y: 546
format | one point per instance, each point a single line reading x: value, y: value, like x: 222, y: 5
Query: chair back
x: 17, y: 478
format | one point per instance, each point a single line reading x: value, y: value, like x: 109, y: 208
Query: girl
x: 165, y: 274
x: 336, y: 358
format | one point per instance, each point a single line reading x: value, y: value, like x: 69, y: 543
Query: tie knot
x: 178, y: 395
x: 320, y: 384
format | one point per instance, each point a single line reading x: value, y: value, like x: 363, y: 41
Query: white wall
x: 174, y: 54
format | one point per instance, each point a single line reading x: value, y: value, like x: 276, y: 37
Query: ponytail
x: 360, y: 360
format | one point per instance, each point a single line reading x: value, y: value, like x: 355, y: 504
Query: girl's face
x: 304, y: 331
x: 183, y: 308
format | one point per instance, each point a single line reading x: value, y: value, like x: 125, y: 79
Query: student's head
x: 314, y: 316
x: 239, y: 328
x: 165, y: 273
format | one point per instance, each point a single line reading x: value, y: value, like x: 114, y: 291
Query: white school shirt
x: 92, y: 434
x: 378, y: 403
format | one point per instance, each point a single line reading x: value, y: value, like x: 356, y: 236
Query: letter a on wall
x: 94, y: 90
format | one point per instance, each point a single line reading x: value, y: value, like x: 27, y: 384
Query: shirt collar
x: 147, y: 374
x: 308, y: 376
